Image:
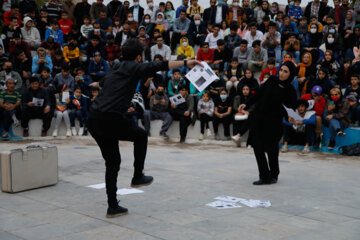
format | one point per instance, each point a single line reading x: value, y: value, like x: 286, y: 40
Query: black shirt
x: 119, y: 85
x: 223, y: 107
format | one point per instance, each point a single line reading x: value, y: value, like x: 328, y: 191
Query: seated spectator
x: 264, y: 26
x: 55, y: 33
x: 162, y: 24
x: 345, y: 73
x: 263, y: 10
x: 22, y: 65
x: 159, y: 104
x: 35, y: 104
x: 306, y: 73
x: 205, y: 109
x: 71, y: 51
x: 303, y: 27
x: 233, y: 39
x: 311, y: 42
x: 3, y: 56
x: 243, y: 29
x: 299, y: 132
x: 253, y: 35
x: 197, y: 31
x: 10, y: 100
x: 337, y: 116
x: 257, y: 58
x: 176, y: 80
x: 184, y: 112
x: 98, y: 67
x: 271, y: 69
x: 161, y: 49
x: 224, y: 29
x: 9, y: 31
x: 331, y: 65
x: 288, y: 27
x: 58, y: 62
x: 235, y: 13
x: 233, y: 74
x: 97, y: 32
x: 61, y: 112
x: 241, y: 53
x: 65, y: 78
x: 78, y: 109
x: 83, y: 81
x: 40, y: 60
x: 352, y: 94
x: 149, y: 26
x: 31, y: 34
x: 45, y: 79
x: 333, y: 43
x: 292, y: 45
x: 78, y: 38
x: 51, y: 46
x: 272, y: 42
x: 96, y: 8
x: 185, y: 49
x: 7, y: 73
x: 351, y: 40
x: 112, y: 50
x: 18, y: 44
x: 249, y: 80
x: 319, y: 108
x: 170, y: 13
x: 222, y: 114
x: 43, y: 23
x: 222, y: 55
x: 65, y: 23
x: 95, y: 46
x: 13, y: 13
x: 295, y: 11
x: 86, y: 28
x: 53, y: 8
x: 323, y: 81
x: 193, y: 9
x: 84, y: 61
x: 213, y: 37
x: 241, y: 122
x: 215, y: 87
x: 105, y: 22
x: 180, y: 29
x: 205, y: 54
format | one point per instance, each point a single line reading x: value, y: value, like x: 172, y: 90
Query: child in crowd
x: 83, y: 81
x: 61, y: 112
x: 58, y: 62
x: 78, y: 109
x: 71, y: 51
x: 233, y: 74
x: 174, y: 83
x: 86, y: 27
x: 55, y: 33
x: 205, y: 109
x: 271, y: 69
x: 116, y: 26
x: 65, y: 23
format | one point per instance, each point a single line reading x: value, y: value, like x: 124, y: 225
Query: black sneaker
x: 5, y: 135
x: 182, y: 140
x: 331, y: 145
x: 316, y: 143
x: 341, y: 133
x: 262, y: 182
x: 164, y: 135
x: 143, y: 181
x: 116, y: 211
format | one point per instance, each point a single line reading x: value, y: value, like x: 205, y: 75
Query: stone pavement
x: 317, y: 196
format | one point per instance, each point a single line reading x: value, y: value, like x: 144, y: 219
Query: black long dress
x: 266, y: 127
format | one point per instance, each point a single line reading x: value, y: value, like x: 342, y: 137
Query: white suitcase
x: 33, y: 167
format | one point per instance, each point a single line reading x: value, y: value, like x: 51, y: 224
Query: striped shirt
x: 5, y: 97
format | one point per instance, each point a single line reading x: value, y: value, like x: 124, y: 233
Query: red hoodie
x: 201, y: 56
x: 65, y: 25
x: 267, y: 70
x: 319, y: 107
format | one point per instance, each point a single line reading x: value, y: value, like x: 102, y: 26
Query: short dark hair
x: 204, y: 44
x: 65, y: 68
x: 176, y: 70
x: 45, y: 69
x: 13, y: 18
x: 271, y: 61
x: 182, y: 10
x: 354, y: 75
x: 160, y: 57
x: 272, y: 24
x: 216, y: 25
x: 234, y: 60
x: 131, y: 49
x: 233, y: 27
x: 256, y: 43
x: 220, y: 42
x: 302, y: 102
x: 253, y: 24
x: 244, y: 42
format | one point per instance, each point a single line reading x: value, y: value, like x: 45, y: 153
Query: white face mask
x: 197, y: 22
x: 235, y: 4
x: 331, y: 40
x: 150, y: 4
x: 313, y: 30
x: 147, y: 20
x: 184, y: 44
x: 131, y: 19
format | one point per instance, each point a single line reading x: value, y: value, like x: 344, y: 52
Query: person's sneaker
x: 26, y: 132
x: 73, y: 131
x: 85, y: 132
x: 116, y: 211
x: 43, y: 133
x: 201, y: 137
x: 237, y: 140
x: 164, y: 135
x: 5, y: 135
x: 284, y: 149
x: 217, y: 137
x: 316, y: 143
x: 143, y: 181
x: 341, y: 133
x: 262, y: 182
x: 81, y: 131
x: 55, y: 133
x: 68, y: 132
x: 208, y: 132
x: 16, y: 122
x: 331, y: 144
x: 306, y: 150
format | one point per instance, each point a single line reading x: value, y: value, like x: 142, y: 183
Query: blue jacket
x: 306, y: 121
x: 96, y: 68
x: 57, y: 35
x: 35, y: 66
x: 83, y: 103
x: 292, y: 28
x: 86, y: 90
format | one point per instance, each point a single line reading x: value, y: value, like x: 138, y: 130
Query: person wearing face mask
x: 222, y: 114
x: 197, y: 31
x: 71, y: 51
x: 266, y: 121
x: 295, y: 11
x: 311, y: 42
x: 149, y: 26
x: 132, y: 23
x: 340, y: 12
x: 137, y: 11
x: 332, y: 42
x: 219, y: 12
x: 151, y: 10
x: 8, y: 73
x: 185, y: 49
x: 159, y: 104
x: 235, y: 13
x: 337, y: 116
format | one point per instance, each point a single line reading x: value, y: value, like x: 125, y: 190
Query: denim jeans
x: 334, y: 125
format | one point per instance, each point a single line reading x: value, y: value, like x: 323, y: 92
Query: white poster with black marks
x: 177, y: 99
x: 201, y: 77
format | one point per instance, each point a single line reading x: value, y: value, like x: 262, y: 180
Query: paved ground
x: 317, y: 197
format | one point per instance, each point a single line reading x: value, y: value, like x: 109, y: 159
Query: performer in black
x: 266, y: 121
x: 108, y: 122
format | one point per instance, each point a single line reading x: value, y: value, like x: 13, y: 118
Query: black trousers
x: 204, y: 122
x: 33, y: 113
x: 268, y: 167
x: 240, y: 127
x: 107, y: 131
x: 178, y: 115
x: 226, y: 120
x: 298, y: 138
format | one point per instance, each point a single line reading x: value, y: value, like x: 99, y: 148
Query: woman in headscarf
x: 331, y: 42
x: 266, y: 120
x: 247, y: 79
x: 305, y: 73
x: 163, y: 26
x: 323, y: 81
x: 332, y: 66
x: 349, y: 22
x: 185, y: 49
x: 312, y: 41
x: 149, y: 26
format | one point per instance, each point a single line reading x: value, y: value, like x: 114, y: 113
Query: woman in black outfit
x: 266, y: 120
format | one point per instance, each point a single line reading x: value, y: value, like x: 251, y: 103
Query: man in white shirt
x: 271, y: 42
x: 253, y: 35
x: 151, y: 10
x: 212, y: 38
x: 160, y: 48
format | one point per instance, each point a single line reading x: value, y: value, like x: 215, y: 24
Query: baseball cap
x: 317, y: 89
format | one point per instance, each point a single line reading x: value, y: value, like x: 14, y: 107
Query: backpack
x: 351, y: 150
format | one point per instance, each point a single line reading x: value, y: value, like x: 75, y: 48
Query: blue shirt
x: 136, y: 14
x: 104, y: 25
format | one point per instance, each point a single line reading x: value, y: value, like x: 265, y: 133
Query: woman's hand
x: 241, y: 107
x: 193, y: 63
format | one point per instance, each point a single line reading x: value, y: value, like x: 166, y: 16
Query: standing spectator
x: 40, y: 60
x: 54, y: 9
x: 96, y: 8
x: 213, y: 37
x: 241, y: 53
x: 35, y: 104
x: 98, y: 67
x: 219, y: 13
x: 222, y: 114
x: 205, y: 109
x: 65, y: 23
x: 233, y: 39
x: 180, y: 29
x: 55, y: 33
x: 28, y: 6
x: 114, y: 6
x: 78, y: 109
x: 253, y: 34
x: 137, y: 11
x: 31, y: 34
x: 65, y: 78
x: 257, y: 58
x: 194, y: 9
x: 208, y: 12
x: 105, y: 22
x: 14, y: 12
x: 235, y: 14
x: 205, y: 53
x: 69, y: 7
x: 10, y: 100
x: 315, y: 8
x: 197, y: 31
x: 183, y: 7
x: 81, y: 10
x: 151, y: 10
x: 160, y: 48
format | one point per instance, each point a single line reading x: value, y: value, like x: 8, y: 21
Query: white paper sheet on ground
x: 65, y: 95
x: 177, y: 99
x: 229, y: 199
x: 97, y: 186
x: 201, y: 77
x: 126, y: 191
x: 293, y: 114
x: 223, y: 205
x: 255, y: 203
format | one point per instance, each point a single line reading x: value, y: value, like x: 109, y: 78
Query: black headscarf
x: 292, y: 70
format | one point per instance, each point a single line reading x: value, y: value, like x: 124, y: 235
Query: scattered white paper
x: 229, y: 199
x: 201, y: 77
x: 177, y: 99
x: 38, y: 102
x: 223, y: 205
x: 256, y: 203
x: 293, y: 114
x: 65, y: 95
x: 126, y: 191
x: 97, y: 186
